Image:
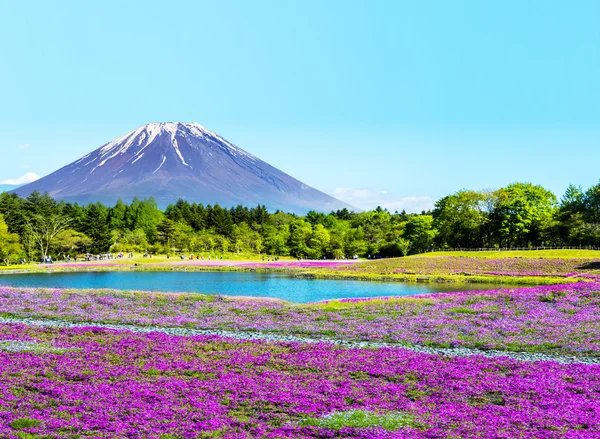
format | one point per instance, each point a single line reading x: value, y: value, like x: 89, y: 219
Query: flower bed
x: 456, y: 265
x: 559, y: 319
x: 117, y: 384
x: 285, y: 264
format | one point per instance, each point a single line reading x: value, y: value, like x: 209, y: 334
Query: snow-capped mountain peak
x: 171, y: 160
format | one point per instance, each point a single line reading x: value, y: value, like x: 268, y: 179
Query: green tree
x: 300, y: 233
x: 13, y: 209
x: 95, y: 226
x: 459, y: 219
x: 10, y: 245
x: 319, y: 242
x: 403, y: 246
x: 420, y: 232
x: 70, y: 241
x: 144, y: 215
x: 43, y: 229
x: 524, y: 214
x: 275, y: 239
x: 355, y: 243
x: 166, y: 232
x: 129, y: 241
x: 591, y: 201
x: 117, y: 216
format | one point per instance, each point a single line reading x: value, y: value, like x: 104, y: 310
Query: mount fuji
x: 179, y: 160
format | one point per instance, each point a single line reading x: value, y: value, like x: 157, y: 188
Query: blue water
x: 232, y: 284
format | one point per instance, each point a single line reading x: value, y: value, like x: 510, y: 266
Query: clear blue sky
x: 379, y: 102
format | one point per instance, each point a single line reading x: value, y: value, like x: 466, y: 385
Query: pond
x: 234, y: 284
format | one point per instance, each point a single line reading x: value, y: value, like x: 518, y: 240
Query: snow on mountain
x: 179, y: 160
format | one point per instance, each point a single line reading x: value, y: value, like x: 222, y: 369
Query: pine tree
x: 95, y: 226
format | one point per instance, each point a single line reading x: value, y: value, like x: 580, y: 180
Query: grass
x: 361, y: 419
x: 23, y: 423
x: 551, y: 254
x: 5, y: 267
x: 433, y: 278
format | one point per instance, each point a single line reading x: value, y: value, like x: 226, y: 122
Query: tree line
x: 519, y: 215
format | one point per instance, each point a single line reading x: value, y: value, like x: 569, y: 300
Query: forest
x: 518, y: 215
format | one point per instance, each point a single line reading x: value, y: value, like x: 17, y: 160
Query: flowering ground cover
x: 217, y: 264
x: 559, y: 319
x: 286, y: 264
x: 472, y: 265
x: 101, y: 383
x: 495, y: 254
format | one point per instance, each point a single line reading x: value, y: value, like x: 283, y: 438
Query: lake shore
x: 539, y: 268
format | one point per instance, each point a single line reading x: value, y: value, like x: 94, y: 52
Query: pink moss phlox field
x: 272, y: 264
x: 216, y: 263
x: 475, y: 265
x: 560, y: 319
x: 118, y: 384
x: 83, y: 264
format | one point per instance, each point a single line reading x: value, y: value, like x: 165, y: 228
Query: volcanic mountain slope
x: 179, y: 160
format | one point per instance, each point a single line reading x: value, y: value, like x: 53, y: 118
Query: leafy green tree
x: 13, y: 209
x: 182, y: 237
x: 43, y: 229
x: 591, y: 201
x: 319, y: 242
x: 70, y: 241
x: 420, y: 232
x: 355, y: 243
x: 10, y: 245
x: 403, y: 245
x: 129, y: 241
x: 246, y: 239
x: 205, y: 241
x: 300, y: 234
x: 523, y: 214
x: 459, y: 220
x: 315, y: 218
x: 166, y: 232
x: 337, y: 238
x: 275, y: 240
